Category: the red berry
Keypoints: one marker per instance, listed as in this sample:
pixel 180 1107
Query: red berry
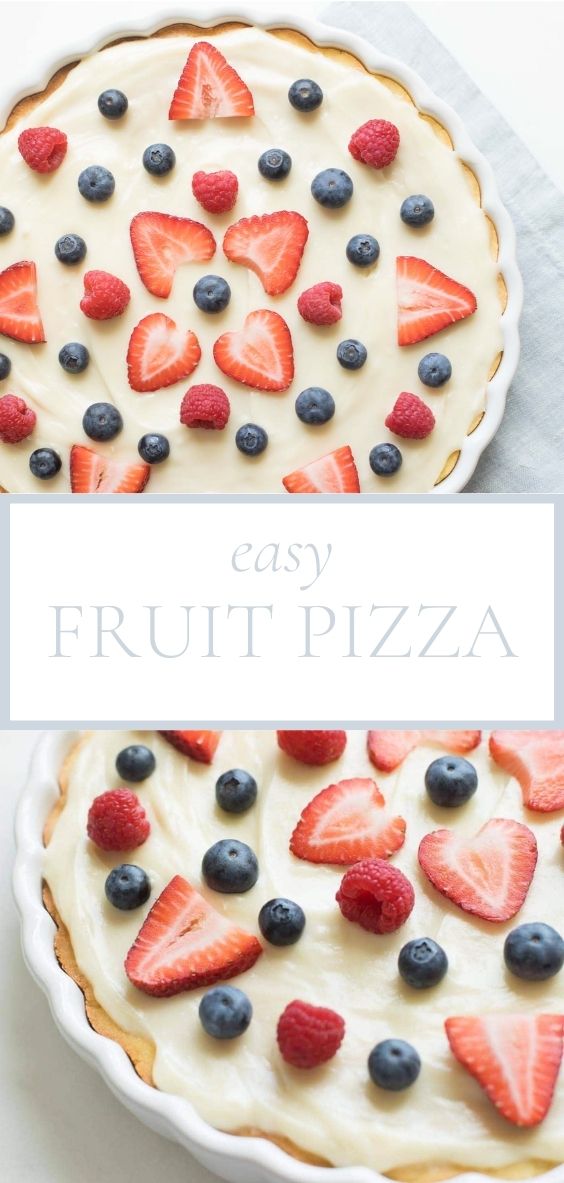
pixel 43 148
pixel 376 895
pixel 321 304
pixel 410 417
pixel 309 1035
pixel 117 821
pixel 205 406
pixel 17 420
pixel 216 192
pixel 105 296
pixel 375 143
pixel 313 747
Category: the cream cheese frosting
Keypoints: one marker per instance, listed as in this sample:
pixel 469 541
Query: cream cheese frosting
pixel 333 1111
pixel 46 207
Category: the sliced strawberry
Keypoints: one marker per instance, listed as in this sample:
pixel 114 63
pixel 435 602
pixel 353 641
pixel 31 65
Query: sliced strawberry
pixel 345 823
pixel 199 745
pixel 271 245
pixel 334 473
pixel 209 88
pixel 515 1058
pixel 261 355
pixel 162 242
pixel 159 354
pixel 489 874
pixel 19 314
pixel 428 300
pixel 536 759
pixel 184 943
pixel 92 473
pixel 388 749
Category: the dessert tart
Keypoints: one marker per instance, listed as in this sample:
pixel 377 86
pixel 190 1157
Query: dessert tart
pixel 231 261
pixel 345 944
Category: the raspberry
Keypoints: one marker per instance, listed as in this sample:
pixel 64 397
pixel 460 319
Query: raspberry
pixel 216 192
pixel 205 406
pixel 43 148
pixel 313 747
pixel 321 304
pixel 375 895
pixel 410 417
pixel 309 1035
pixel 17 420
pixel 375 143
pixel 105 296
pixel 117 821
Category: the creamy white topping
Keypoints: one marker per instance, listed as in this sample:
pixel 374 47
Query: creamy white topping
pixel 333 1111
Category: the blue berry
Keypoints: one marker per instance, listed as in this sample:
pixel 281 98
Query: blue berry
pixel 96 183
pixel 74 357
pixel 159 159
pixel 351 354
pixel 281 922
pixel 315 406
pixel 332 188
pixel 7 220
pixel 112 104
pixel 434 369
pixel 235 791
pixel 422 963
pixel 5 366
pixel 153 448
pixel 71 248
pixel 534 952
pixel 363 250
pixel 417 210
pixel 385 459
pixel 135 763
pixel 225 1012
pixel 305 95
pixel 394 1064
pixel 451 781
pixel 102 421
pixel 251 439
pixel 127 887
pixel 45 463
pixel 275 164
pixel 212 293
pixel 230 866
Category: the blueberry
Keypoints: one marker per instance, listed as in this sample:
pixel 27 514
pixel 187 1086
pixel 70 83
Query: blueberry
pixel 394 1064
pixel 212 293
pixel 315 406
pixel 7 220
pixel 434 369
pixel 5 366
pixel 385 459
pixel 332 188
pixel 451 781
pixel 45 463
pixel 251 439
pixel 363 250
pixel 102 421
pixel 71 248
pixel 230 866
pixel 135 763
pixel 422 963
pixel 127 887
pixel 235 791
pixel 281 922
pixel 225 1012
pixel 305 95
pixel 96 183
pixel 417 210
pixel 275 164
pixel 74 357
pixel 534 952
pixel 153 448
pixel 159 159
pixel 351 354
pixel 112 104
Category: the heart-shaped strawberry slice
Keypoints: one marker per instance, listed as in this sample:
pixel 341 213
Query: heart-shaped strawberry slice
pixel 159 353
pixel 261 355
pixel 489 874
